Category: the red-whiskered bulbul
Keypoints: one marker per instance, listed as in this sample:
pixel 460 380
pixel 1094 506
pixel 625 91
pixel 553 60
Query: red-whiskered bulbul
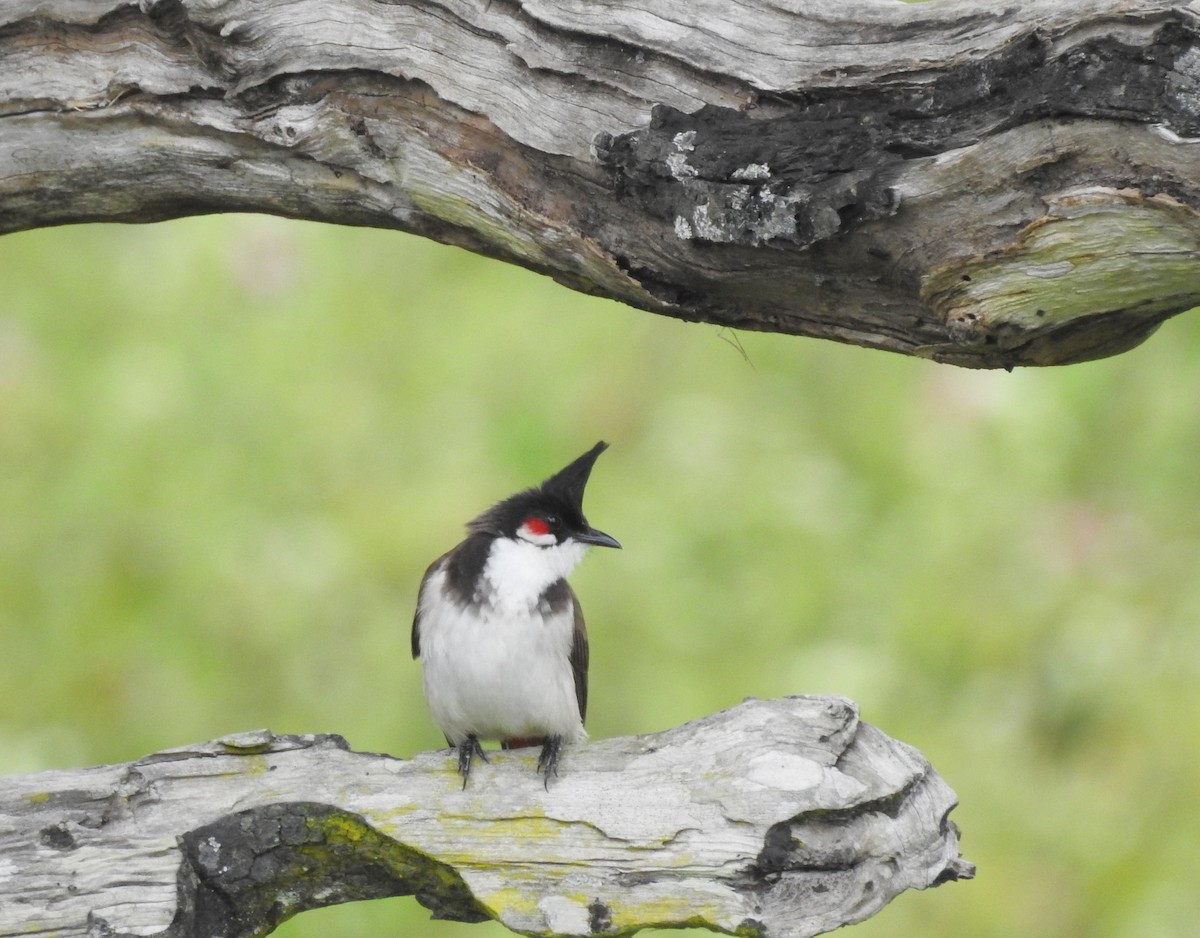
pixel 500 635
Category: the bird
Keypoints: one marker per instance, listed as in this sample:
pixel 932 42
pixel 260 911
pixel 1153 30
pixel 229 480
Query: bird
pixel 499 632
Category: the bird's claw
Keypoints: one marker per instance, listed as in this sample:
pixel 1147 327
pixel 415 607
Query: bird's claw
pixel 468 749
pixel 548 759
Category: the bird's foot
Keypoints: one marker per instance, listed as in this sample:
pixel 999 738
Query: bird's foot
pixel 468 749
pixel 548 760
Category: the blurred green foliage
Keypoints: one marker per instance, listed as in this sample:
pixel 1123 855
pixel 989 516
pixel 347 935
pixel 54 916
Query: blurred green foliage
pixel 229 447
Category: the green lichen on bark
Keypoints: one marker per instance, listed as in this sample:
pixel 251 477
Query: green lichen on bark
pixel 1062 290
pixel 246 873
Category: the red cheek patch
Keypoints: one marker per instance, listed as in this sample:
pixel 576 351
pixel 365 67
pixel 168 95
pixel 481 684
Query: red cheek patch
pixel 536 526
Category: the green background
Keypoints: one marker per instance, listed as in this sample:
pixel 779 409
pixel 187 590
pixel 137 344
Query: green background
pixel 230 446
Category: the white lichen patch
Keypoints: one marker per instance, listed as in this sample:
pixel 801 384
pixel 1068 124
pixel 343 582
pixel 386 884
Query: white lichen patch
pixel 682 144
pixel 740 198
pixel 209 853
pixel 705 227
pixel 752 171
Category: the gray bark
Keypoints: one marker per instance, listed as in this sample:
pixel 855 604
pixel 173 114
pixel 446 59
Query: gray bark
pixel 774 818
pixel 978 184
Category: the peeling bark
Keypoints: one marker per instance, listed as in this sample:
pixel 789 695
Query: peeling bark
pixel 981 185
pixel 780 818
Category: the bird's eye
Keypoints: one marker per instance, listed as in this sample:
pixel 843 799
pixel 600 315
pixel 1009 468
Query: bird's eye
pixel 537 526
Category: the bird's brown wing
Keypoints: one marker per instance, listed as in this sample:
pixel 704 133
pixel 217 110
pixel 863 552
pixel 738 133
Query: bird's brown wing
pixel 579 657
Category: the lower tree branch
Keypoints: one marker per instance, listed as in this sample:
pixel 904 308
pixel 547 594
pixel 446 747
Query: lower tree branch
pixel 774 818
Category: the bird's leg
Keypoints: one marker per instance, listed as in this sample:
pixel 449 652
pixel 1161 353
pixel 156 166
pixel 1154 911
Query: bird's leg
pixel 548 760
pixel 468 748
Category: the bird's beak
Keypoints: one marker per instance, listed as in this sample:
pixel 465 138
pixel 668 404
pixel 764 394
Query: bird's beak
pixel 597 538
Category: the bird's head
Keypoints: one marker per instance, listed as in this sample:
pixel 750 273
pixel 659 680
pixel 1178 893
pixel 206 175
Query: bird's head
pixel 551 514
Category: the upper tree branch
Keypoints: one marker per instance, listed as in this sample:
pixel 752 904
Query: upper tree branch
pixel 980 185
pixel 775 818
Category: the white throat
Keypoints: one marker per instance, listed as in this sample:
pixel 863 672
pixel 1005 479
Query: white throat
pixel 517 572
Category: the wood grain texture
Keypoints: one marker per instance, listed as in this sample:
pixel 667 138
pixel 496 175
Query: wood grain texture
pixel 774 818
pixel 813 167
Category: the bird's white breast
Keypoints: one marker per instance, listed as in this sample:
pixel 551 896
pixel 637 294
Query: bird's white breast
pixel 518 572
pixel 501 668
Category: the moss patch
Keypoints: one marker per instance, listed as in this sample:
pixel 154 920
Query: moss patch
pixel 246 873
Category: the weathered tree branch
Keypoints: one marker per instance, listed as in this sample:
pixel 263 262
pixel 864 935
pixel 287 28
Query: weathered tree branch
pixel 774 818
pixel 978 185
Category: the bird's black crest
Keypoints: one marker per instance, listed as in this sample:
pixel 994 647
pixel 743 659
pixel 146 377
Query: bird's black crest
pixel 570 481
pixel 562 493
